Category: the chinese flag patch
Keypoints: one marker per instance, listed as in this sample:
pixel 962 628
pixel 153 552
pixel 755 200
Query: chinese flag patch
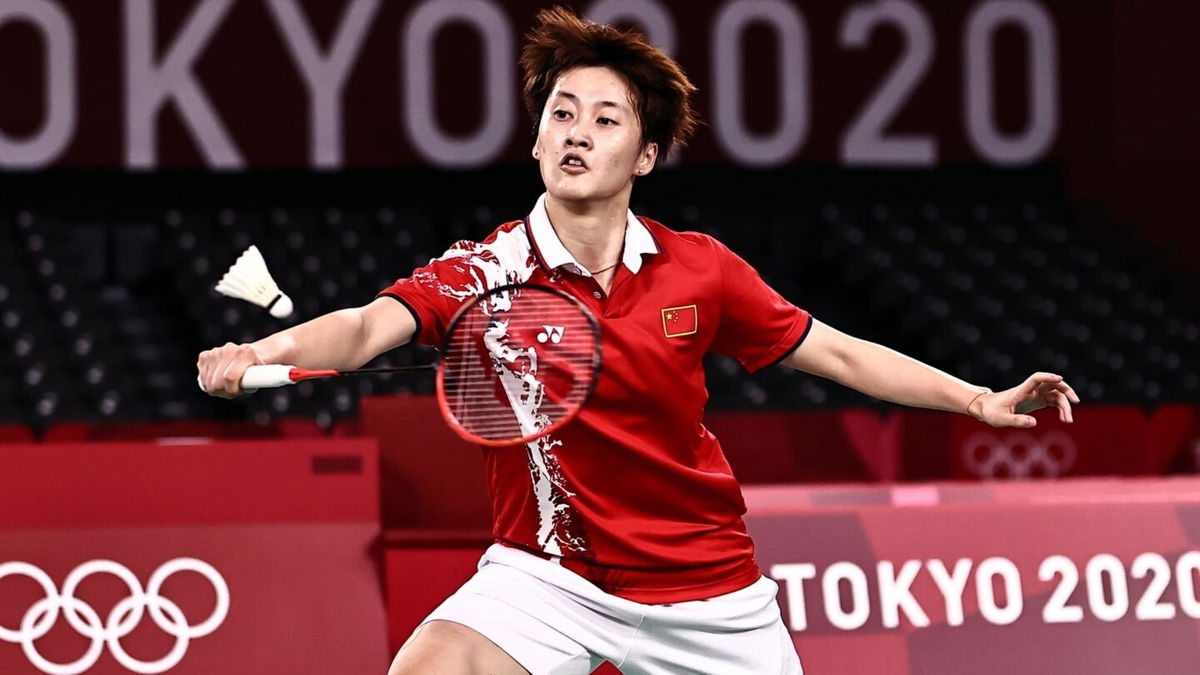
pixel 679 321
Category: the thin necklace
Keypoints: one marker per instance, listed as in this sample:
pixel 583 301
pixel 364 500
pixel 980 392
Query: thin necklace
pixel 620 257
pixel 601 271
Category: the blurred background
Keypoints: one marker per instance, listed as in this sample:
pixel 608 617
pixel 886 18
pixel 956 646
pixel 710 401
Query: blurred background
pixel 994 187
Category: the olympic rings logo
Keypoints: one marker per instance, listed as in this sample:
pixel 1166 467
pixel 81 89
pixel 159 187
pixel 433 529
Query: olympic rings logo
pixel 121 621
pixel 1019 454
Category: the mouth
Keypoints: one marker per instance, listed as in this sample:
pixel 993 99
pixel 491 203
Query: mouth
pixel 572 163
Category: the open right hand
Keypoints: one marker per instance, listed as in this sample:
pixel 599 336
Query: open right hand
pixel 221 369
pixel 1011 407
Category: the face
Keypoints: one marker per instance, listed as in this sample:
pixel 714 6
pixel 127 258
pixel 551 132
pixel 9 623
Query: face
pixel 589 143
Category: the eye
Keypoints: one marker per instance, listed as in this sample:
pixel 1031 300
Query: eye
pixel 607 121
pixel 561 114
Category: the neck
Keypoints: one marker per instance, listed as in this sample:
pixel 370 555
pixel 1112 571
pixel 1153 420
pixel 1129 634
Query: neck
pixel 593 232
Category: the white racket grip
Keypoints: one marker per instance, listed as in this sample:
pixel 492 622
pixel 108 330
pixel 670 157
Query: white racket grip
pixel 266 377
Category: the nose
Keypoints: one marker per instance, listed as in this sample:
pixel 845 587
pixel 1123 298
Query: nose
pixel 577 135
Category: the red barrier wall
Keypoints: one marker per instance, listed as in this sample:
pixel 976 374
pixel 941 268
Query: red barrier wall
pixel 1084 576
pixel 231 558
pixel 432 479
pixel 1089 576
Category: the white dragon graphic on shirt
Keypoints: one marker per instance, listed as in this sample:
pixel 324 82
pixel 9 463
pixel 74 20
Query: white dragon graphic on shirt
pixel 508 259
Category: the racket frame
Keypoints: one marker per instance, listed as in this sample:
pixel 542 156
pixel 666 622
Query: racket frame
pixel 473 305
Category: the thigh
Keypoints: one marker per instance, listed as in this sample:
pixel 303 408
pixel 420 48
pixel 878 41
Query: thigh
pixel 519 616
pixel 452 648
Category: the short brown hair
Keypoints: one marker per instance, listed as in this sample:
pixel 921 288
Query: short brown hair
pixel 561 41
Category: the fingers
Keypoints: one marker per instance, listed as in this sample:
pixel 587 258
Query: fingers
pixel 1057 382
pixel 1061 395
pixel 212 365
pixel 1037 380
pixel 1070 393
pixel 1050 398
pixel 1059 399
pixel 1053 390
pixel 221 369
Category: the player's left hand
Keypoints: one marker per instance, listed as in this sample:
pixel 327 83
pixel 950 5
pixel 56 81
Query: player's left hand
pixel 1010 408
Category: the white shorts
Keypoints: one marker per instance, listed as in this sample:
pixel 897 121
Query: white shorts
pixel 553 621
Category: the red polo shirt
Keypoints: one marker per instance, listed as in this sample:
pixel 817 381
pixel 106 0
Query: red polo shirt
pixel 634 494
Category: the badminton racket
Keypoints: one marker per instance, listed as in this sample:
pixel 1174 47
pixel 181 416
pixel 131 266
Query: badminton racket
pixel 517 363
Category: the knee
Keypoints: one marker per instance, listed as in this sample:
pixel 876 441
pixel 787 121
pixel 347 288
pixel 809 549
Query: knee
pixel 434 647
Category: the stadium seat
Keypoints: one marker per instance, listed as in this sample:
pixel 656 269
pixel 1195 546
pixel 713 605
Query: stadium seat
pixel 105 322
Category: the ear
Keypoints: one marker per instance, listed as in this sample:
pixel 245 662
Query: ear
pixel 647 159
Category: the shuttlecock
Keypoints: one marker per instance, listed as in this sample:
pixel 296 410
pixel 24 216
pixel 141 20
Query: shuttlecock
pixel 249 280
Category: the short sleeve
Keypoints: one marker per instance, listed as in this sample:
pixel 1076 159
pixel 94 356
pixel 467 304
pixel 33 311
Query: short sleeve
pixel 758 326
pixel 434 293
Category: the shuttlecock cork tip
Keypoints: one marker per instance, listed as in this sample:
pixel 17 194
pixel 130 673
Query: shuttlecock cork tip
pixel 281 307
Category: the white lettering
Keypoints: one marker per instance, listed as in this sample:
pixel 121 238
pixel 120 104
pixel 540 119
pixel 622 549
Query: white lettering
pixel 793 576
pixel 420 117
pixel 1099 567
pixel 728 107
pixel 1057 610
pixel 1185 583
pixel 1011 576
pixel 1151 607
pixel 325 76
pixel 982 23
pixel 860 606
pixel 150 84
pixel 58 126
pixel 952 586
pixel 895 593
pixel 865 142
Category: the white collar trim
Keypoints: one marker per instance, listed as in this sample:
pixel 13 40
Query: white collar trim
pixel 638 241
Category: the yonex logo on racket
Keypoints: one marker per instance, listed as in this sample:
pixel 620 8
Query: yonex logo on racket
pixel 552 333
pixel 124 617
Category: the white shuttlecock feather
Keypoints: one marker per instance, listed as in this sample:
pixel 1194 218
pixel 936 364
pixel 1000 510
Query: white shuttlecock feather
pixel 249 280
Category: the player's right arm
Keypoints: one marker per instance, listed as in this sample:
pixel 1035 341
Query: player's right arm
pixel 344 339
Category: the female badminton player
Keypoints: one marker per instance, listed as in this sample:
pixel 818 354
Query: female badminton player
pixel 618 537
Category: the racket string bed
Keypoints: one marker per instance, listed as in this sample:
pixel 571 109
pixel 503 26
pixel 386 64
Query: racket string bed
pixel 520 367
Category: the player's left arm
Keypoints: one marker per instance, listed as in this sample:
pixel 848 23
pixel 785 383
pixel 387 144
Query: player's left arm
pixel 889 375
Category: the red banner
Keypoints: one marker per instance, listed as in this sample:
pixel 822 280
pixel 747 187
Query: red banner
pixel 231 558
pixel 144 84
pixel 1074 577
pixel 1090 577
